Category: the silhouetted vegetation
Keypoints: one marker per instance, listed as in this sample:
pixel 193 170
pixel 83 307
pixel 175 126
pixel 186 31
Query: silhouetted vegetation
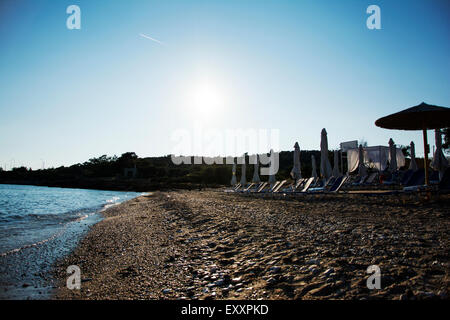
pixel 153 173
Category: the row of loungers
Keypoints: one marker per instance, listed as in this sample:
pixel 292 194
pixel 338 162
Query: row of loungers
pixel 409 180
pixel 301 186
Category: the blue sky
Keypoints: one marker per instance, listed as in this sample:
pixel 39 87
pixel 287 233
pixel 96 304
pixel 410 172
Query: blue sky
pixel 297 66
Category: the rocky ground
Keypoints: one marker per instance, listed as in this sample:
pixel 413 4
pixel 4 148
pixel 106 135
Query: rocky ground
pixel 203 245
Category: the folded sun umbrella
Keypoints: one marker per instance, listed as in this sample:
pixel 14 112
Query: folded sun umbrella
pixel 256 178
pixel 325 166
pixel 362 170
pixel 392 156
pixel 296 172
pixel 439 163
pixel 413 163
pixel 420 117
pixel 243 177
pixel 233 178
pixel 272 179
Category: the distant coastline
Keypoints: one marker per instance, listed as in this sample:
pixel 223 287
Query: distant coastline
pixel 112 184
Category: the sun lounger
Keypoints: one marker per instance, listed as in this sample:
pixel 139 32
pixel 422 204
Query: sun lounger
pixel 333 188
pixel 371 178
pixel 305 186
pixel 263 186
pixel 274 186
pixel 406 176
pixel 360 181
pixel 249 187
pixel 278 187
pixel 434 177
pixel 417 178
pixel 444 184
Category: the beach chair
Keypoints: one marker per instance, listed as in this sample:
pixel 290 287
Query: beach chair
pixel 316 182
pixel 263 186
pixel 338 184
pixel 306 185
pixel 274 186
pixel 295 185
pixel 249 187
pixel 236 188
pixel 406 176
pixel 434 177
pixel 299 183
pixel 444 184
pixel 371 178
pixel 332 188
pixel 278 187
pixel 360 181
pixel 417 178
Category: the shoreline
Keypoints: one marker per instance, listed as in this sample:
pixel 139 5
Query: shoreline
pixel 111 184
pixel 27 269
pixel 212 245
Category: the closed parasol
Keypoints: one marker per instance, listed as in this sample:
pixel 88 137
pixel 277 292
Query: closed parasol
pixel 296 172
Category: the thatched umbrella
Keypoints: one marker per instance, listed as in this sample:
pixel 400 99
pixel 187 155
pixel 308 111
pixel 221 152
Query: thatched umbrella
pixel 421 117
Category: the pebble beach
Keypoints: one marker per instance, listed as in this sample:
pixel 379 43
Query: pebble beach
pixel 216 245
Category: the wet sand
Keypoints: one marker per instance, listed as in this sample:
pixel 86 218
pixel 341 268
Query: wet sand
pixel 212 245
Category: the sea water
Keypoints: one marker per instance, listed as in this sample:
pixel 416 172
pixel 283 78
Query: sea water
pixel 38 226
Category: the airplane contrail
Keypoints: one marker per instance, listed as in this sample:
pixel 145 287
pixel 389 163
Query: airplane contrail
pixel 150 38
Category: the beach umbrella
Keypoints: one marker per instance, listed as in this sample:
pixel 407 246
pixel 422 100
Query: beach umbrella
pixel 243 177
pixel 362 170
pixel 272 179
pixel 256 178
pixel 439 163
pixel 393 156
pixel 336 171
pixel 325 166
pixel 314 170
pixel 233 177
pixel 413 163
pixel 420 117
pixel 296 172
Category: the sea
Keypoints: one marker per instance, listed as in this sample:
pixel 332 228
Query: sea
pixel 38 226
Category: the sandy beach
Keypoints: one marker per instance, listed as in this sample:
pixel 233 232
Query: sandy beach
pixel 213 245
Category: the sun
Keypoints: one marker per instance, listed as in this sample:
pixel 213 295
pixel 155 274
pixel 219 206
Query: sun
pixel 206 98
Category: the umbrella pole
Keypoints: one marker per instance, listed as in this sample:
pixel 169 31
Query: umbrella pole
pixel 425 148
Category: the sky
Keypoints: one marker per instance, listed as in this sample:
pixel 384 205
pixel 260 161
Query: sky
pixel 138 72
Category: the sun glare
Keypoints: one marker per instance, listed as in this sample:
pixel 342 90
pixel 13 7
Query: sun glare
pixel 207 98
